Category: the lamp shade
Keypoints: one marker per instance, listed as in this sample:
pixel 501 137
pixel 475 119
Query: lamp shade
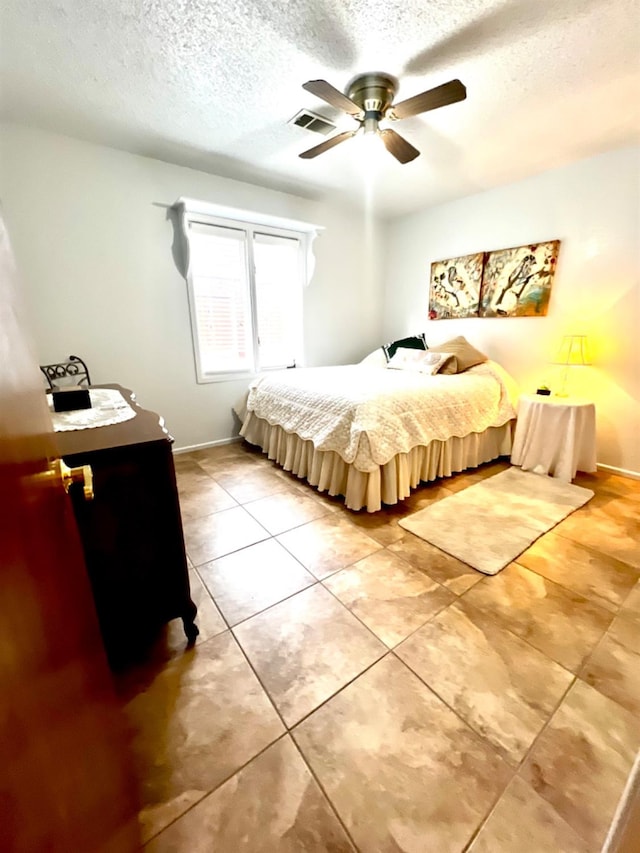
pixel 574 350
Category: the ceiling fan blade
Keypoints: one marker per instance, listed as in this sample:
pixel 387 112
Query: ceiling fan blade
pixel 399 147
pixel 441 96
pixel 328 93
pixel 327 144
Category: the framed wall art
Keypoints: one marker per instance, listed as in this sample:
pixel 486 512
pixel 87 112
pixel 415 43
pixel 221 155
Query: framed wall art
pixel 517 282
pixel 455 287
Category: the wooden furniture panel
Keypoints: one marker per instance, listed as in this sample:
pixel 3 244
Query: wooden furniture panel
pixel 131 531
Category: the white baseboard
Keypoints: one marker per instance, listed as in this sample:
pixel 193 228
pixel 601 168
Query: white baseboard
pixel 622 472
pixel 191 447
pixel 623 832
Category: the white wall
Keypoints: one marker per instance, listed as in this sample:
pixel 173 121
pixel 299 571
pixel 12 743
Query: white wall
pixel 593 207
pixel 94 252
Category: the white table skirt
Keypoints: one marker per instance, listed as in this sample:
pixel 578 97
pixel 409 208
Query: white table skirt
pixel 555 435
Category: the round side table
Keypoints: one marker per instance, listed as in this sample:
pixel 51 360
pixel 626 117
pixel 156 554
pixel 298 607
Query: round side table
pixel 555 436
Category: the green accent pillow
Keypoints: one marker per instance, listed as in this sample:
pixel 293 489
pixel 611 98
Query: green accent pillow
pixel 414 342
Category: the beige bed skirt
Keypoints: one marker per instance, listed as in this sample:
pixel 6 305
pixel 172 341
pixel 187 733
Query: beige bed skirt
pixel 390 483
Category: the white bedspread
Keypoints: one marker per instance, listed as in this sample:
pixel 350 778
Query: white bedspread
pixel 369 414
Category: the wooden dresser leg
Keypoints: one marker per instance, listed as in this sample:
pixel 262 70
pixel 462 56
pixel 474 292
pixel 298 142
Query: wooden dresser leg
pixel 188 621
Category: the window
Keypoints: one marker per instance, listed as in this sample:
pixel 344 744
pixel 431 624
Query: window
pixel 245 282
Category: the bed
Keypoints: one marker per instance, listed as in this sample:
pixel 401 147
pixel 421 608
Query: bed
pixel 371 434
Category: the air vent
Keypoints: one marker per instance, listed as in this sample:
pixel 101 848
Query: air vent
pixel 312 121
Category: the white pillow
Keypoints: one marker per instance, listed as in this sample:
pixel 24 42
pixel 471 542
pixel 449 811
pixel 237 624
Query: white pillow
pixel 423 361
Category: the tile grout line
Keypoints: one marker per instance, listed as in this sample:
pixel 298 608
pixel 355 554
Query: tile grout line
pixel 629 594
pixel 174 660
pixel 386 650
pixel 573 681
pixel 531 749
pixel 274 604
pixel 334 571
pixel 483 821
pixel 424 572
pixel 214 789
pixel 466 723
pixel 323 790
pixel 568 538
pixel 214 602
pixel 570 589
pixel 504 627
pixel 402 557
pixel 246 763
pixel 289 730
pixel 390 652
pixel 605 636
pixel 426 622
pixel 233 551
pixel 369 666
pixel 521 764
pixel 259 680
pixel 315 580
pixel 392 649
pixel 355 616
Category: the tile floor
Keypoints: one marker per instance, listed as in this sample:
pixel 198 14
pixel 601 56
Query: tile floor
pixel 353 687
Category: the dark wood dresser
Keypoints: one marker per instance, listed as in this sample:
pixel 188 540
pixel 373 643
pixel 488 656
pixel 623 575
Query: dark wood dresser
pixel 131 531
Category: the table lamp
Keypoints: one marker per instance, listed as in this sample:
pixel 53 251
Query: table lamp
pixel 573 352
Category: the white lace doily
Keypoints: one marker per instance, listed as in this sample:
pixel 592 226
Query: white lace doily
pixel 108 406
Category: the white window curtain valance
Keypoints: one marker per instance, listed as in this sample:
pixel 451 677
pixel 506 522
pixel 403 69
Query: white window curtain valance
pixel 192 211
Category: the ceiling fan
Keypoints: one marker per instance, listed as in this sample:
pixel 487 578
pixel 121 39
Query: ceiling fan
pixel 369 99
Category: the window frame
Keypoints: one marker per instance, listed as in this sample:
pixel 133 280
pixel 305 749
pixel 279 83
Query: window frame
pixel 251 224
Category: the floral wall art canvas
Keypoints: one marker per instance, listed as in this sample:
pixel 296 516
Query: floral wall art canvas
pixel 455 287
pixel 517 282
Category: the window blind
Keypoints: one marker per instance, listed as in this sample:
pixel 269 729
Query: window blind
pixel 245 295
pixel 277 282
pixel 221 298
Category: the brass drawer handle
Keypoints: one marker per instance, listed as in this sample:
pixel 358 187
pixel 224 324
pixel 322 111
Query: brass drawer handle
pixel 82 474
pixel 59 472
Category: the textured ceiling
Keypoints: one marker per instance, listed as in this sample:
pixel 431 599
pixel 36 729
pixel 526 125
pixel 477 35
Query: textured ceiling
pixel 211 84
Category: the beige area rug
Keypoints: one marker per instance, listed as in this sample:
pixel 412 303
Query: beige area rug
pixel 491 523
